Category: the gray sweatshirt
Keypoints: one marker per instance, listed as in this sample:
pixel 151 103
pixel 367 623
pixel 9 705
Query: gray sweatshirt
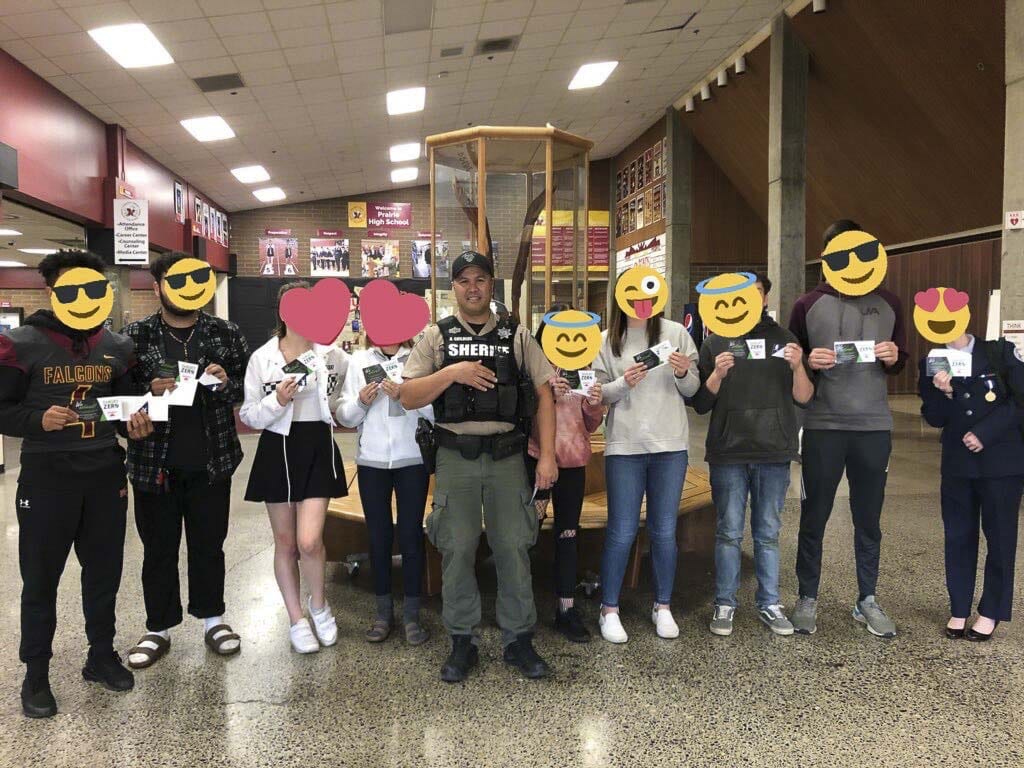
pixel 650 417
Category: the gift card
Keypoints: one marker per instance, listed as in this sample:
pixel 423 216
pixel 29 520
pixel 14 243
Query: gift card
pixel 374 373
pixel 756 347
pixel 779 350
pixel 168 369
pixel 854 352
pixel 187 371
pixel 952 361
pixel 183 395
pixel 299 371
pixel 393 368
pixel 738 349
pixel 88 410
pixel 573 377
pixel 937 362
pixel 656 355
pixel 308 359
pixel 587 380
pixel 112 407
pixel 209 380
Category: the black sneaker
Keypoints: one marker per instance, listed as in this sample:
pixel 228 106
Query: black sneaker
pixel 520 654
pixel 463 658
pixel 108 671
pixel 37 699
pixel 571 626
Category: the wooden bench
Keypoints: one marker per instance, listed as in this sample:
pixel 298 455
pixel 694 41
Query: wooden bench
pixel 345 529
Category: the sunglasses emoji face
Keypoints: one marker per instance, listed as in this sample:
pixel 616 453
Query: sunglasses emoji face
pixel 730 304
pixel 571 338
pixel 82 298
pixel 941 315
pixel 641 292
pixel 854 263
pixel 189 284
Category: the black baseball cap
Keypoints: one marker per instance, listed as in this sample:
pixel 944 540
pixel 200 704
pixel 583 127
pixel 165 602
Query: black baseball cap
pixel 472 259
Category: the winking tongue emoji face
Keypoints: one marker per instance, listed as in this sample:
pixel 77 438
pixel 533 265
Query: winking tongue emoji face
pixel 641 292
pixel 941 315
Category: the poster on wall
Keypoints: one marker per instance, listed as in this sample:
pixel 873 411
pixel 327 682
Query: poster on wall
pixel 179 202
pixel 597 241
pixel 329 257
pixel 649 253
pixel 648 167
pixel 357 215
pixel 131 231
pixel 422 257
pixel 389 215
pixel 379 258
pixel 224 230
pixel 657 161
pixel 277 256
pixel 652 214
pixel 206 219
pixel 197 217
pixel 656 202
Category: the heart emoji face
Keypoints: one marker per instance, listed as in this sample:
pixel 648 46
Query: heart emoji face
pixel 389 315
pixel 318 313
pixel 941 315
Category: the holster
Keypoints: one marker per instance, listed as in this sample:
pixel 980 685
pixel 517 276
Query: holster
pixel 426 439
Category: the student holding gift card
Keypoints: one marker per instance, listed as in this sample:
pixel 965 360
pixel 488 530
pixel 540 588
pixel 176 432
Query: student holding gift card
pixel 181 474
pixel 389 464
pixel 752 373
pixel 71 489
pixel 647 438
pixel 980 413
pixel 290 387
pixel 571 339
pixel 853 334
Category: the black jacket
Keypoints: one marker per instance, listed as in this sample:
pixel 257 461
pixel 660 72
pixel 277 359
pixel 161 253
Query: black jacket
pixel 753 417
pixel 996 423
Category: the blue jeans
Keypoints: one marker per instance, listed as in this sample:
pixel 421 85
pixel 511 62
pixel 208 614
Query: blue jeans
pixel 766 485
pixel 661 477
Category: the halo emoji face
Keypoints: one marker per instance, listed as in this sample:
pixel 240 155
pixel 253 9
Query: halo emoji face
pixel 941 315
pixel 730 304
pixel 571 338
pixel 82 298
pixel 641 292
pixel 854 263
pixel 189 284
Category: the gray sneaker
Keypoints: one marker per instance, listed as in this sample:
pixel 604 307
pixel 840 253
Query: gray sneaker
pixel 805 616
pixel 773 618
pixel 870 613
pixel 721 622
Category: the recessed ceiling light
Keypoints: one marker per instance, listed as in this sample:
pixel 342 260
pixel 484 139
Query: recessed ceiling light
pixel 9 232
pixel 403 153
pixel 131 45
pixel 208 128
pixel 269 194
pixel 38 251
pixel 592 75
pixel 406 100
pixel 250 174
pixel 400 175
pixel 12 264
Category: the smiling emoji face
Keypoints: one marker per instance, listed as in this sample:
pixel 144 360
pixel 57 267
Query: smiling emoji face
pixel 941 315
pixel 854 263
pixel 641 292
pixel 82 298
pixel 730 304
pixel 571 338
pixel 189 284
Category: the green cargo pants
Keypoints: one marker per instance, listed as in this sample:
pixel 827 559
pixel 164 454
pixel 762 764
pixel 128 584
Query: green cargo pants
pixel 461 488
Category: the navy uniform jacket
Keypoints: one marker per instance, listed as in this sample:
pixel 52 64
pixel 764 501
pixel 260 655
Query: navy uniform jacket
pixel 997 423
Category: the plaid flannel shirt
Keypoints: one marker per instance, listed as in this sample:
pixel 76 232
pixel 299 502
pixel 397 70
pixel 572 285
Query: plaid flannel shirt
pixel 221 343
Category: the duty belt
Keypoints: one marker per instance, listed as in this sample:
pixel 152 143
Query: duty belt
pixel 499 446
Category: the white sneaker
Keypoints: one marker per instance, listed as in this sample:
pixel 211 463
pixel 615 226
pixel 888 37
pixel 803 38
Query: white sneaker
pixel 611 628
pixel 302 637
pixel 323 623
pixel 664 624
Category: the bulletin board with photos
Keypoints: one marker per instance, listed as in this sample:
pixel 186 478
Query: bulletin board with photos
pixel 640 190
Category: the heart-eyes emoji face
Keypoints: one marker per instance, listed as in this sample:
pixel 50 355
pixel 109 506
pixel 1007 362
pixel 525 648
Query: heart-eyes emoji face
pixel 189 284
pixel 854 263
pixel 82 298
pixel 571 339
pixel 941 315
pixel 641 292
pixel 730 304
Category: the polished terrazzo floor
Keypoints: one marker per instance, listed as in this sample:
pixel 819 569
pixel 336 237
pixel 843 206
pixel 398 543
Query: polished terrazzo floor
pixel 839 698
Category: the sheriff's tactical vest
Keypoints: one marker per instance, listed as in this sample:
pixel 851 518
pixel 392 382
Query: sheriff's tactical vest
pixel 495 350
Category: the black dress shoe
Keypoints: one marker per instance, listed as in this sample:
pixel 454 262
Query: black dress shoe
pixel 571 626
pixel 521 655
pixel 37 699
pixel 979 637
pixel 955 634
pixel 107 670
pixel 464 657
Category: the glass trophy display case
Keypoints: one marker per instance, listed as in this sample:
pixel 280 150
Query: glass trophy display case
pixel 519 196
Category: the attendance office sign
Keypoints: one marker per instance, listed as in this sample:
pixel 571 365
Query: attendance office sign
pixel 389 215
pixel 131 231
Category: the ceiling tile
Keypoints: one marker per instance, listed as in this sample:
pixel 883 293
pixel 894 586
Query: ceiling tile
pixel 41 23
pixel 354 10
pixel 241 24
pixel 225 7
pixel 265 41
pixel 297 18
pixel 161 10
pixel 92 16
